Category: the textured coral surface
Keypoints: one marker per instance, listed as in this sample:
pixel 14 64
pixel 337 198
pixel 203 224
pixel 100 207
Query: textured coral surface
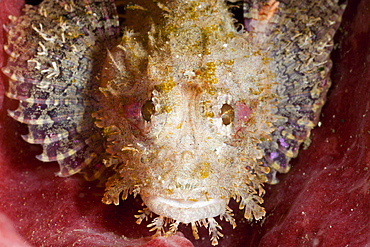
pixel 323 201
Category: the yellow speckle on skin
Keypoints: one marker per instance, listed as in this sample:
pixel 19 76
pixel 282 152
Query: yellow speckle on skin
pixel 166 86
pixel 211 91
pixel 230 62
pixel 209 114
pixel 289 154
pixel 167 109
pixel 210 73
pixel 204 172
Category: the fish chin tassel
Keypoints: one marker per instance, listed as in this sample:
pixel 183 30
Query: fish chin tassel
pixel 160 223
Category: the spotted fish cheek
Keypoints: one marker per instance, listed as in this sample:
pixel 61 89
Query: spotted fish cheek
pixel 124 115
pixel 125 88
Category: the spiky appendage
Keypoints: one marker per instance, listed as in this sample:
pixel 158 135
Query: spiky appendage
pixel 54 52
pixel 300 38
pixel 160 223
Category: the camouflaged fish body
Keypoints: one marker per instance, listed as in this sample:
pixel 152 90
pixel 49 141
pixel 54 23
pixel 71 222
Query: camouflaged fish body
pixel 191 111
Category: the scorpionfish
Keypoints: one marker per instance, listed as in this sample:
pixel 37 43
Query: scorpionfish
pixel 176 101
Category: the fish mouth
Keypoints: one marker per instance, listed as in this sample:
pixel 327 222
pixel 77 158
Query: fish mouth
pixel 185 211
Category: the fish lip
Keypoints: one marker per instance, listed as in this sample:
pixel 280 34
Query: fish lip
pixel 185 211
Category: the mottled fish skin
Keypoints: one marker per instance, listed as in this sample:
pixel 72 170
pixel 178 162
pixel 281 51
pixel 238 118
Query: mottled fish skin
pixel 55 52
pixel 187 110
pixel 299 38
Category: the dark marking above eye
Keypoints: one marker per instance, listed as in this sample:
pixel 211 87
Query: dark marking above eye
pixel 227 114
pixel 148 110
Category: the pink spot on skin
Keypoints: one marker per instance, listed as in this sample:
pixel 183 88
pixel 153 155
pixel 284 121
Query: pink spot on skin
pixel 243 115
pixel 243 112
pixel 132 110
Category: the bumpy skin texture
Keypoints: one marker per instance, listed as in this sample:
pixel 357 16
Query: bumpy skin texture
pixel 206 103
pixel 160 92
pixel 54 56
pixel 299 41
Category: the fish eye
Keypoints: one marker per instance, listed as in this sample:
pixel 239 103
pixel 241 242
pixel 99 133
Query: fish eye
pixel 147 110
pixel 227 114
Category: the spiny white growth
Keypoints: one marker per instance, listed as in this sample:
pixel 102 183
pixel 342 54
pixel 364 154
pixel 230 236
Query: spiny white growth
pixel 159 224
pixel 145 213
pixel 228 216
pixel 213 227
pixel 44 51
pixel 43 34
pixel 53 70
